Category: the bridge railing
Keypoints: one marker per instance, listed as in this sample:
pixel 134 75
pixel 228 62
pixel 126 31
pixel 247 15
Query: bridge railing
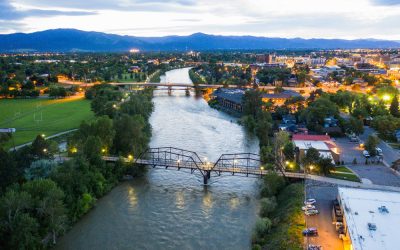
pixel 244 163
pixel 173 157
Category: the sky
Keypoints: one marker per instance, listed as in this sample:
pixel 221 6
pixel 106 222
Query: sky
pixel 349 19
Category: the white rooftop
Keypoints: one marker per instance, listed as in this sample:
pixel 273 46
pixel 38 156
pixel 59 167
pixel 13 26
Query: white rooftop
pixel 361 206
pixel 318 145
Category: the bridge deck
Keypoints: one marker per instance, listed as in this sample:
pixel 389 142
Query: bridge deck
pixel 219 168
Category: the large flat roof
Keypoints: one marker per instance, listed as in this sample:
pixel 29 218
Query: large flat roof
pixel 306 144
pixel 361 206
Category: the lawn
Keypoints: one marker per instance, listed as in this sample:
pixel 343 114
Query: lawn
pixel 42 116
pixel 344 173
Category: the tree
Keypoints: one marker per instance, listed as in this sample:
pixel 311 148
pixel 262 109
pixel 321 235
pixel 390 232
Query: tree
pixel 8 170
pixel 325 165
pixel 371 144
pixel 130 137
pixel 288 151
pixel 40 147
pixel 252 103
pixel 39 169
pixel 18 229
pixel 267 205
pixel 48 201
pixel 317 111
pixel 273 184
pixel 311 157
pixel 386 126
pixel 394 107
pixel 356 125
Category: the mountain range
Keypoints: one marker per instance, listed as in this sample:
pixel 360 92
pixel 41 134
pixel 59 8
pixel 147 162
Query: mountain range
pixel 72 40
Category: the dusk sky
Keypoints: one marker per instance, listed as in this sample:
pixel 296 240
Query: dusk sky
pixel 283 18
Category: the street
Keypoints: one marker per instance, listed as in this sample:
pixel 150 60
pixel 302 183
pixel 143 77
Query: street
pixel 389 154
pixel 324 193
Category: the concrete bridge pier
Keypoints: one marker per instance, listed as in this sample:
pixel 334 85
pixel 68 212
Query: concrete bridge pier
pixel 206 176
pixel 169 90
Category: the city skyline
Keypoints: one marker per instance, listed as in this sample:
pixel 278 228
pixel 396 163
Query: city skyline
pixel 286 18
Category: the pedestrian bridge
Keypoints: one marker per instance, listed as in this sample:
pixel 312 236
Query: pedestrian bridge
pixel 243 164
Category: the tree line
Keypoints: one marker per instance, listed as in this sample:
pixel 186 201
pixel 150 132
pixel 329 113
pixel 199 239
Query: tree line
pixel 40 198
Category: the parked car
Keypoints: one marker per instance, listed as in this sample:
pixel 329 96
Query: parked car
pixel 310 202
pixel 366 154
pixel 307 207
pixel 353 138
pixel 311 212
pixel 312 231
pixel 379 151
pixel 314 247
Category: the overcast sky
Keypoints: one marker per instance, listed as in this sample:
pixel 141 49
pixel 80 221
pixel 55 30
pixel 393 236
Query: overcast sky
pixel 273 18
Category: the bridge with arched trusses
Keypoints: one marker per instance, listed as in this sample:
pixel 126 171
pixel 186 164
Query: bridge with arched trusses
pixel 243 164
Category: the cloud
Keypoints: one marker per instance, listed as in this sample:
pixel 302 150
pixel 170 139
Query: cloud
pixel 10 12
pixel 386 2
pixel 120 5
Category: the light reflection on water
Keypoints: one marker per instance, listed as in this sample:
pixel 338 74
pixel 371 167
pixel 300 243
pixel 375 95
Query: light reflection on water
pixel 170 209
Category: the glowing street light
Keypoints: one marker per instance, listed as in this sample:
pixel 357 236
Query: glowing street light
pixel 45 150
pixel 130 157
pixel 74 150
pixel 43 135
pixel 386 97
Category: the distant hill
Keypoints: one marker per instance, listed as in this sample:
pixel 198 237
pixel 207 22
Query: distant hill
pixel 68 40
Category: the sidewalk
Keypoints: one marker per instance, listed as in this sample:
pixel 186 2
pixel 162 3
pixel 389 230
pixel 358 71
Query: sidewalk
pixel 352 184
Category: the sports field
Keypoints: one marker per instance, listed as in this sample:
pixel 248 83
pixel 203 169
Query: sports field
pixel 42 116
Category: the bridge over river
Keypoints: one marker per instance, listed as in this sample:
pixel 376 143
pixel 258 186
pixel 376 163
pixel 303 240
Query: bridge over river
pixel 243 164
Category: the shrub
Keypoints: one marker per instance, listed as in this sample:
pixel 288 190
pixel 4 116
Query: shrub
pixel 268 205
pixel 263 226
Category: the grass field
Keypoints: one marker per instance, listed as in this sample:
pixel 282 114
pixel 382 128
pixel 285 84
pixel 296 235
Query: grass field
pixel 344 173
pixel 42 116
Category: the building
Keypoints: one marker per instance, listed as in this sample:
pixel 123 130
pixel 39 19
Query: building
pixel 230 99
pixel 278 99
pixel 326 70
pixel 371 218
pixel 323 143
pixel 264 58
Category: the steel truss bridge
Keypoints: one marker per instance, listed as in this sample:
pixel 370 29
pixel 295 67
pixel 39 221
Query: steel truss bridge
pixel 243 164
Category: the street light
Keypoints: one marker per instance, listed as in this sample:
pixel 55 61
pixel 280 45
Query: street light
pixel 44 150
pixel 130 157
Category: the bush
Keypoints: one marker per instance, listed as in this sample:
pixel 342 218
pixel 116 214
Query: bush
pixel 273 183
pixel 268 205
pixel 263 226
pixel 39 169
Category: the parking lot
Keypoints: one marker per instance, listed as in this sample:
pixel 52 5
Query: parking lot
pixel 349 151
pixel 327 237
pixel 377 174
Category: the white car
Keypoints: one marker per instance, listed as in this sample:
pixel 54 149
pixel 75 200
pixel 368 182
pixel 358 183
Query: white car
pixel 366 154
pixel 307 207
pixel 311 212
pixel 310 202
pixel 379 151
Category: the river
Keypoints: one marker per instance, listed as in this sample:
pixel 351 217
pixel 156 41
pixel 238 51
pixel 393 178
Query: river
pixel 170 209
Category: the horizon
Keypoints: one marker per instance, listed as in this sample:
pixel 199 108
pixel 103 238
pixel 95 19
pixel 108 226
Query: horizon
pixel 207 34
pixel 358 19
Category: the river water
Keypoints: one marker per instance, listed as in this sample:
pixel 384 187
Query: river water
pixel 170 209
